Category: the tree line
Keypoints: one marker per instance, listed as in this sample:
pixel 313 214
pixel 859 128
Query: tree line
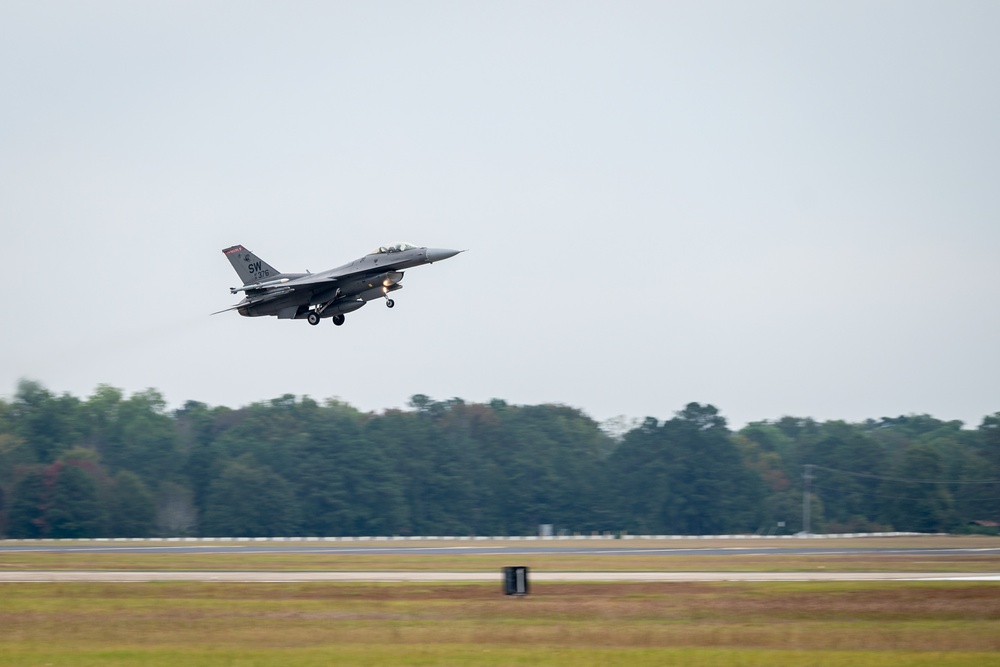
pixel 113 465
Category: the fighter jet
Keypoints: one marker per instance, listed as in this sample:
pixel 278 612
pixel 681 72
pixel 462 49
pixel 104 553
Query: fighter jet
pixel 333 293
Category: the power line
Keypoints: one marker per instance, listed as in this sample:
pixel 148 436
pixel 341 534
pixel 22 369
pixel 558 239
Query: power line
pixel 882 495
pixel 908 481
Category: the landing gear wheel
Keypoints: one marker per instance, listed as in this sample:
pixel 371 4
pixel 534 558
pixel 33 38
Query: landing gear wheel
pixel 313 319
pixel 389 303
pixel 338 319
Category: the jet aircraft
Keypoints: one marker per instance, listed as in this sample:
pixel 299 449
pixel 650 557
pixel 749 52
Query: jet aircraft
pixel 332 293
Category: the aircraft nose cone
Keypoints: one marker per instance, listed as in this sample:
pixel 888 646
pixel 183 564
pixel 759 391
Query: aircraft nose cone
pixel 437 254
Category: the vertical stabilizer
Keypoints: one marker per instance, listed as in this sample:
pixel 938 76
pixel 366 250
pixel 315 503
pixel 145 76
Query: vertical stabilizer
pixel 252 269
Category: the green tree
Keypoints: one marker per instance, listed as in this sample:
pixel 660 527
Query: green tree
pixel 62 499
pixel 76 509
pixel 454 467
pixel 987 445
pixel 715 492
pixel 250 501
pixel 345 484
pixel 920 503
pixel 29 504
pixel 686 476
pixel 102 413
pixel 147 438
pixel 48 424
pixel 762 448
pixel 410 462
pixel 199 428
pixel 176 513
pixel 638 485
pixel 132 507
pixel 990 431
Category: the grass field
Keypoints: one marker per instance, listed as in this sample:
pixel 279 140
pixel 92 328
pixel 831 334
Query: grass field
pixel 559 624
pixel 866 624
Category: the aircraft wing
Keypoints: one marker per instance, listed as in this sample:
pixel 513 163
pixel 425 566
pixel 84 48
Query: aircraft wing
pixel 313 279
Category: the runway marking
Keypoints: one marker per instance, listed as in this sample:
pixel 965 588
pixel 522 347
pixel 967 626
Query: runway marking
pixel 971 577
pixel 120 549
pixel 427 577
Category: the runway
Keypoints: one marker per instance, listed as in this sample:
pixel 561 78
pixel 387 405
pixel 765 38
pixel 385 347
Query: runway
pixel 512 551
pixel 581 549
pixel 442 577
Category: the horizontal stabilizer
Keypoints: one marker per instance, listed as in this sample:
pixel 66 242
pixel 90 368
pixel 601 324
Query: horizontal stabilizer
pixel 253 301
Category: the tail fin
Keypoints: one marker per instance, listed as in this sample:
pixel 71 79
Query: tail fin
pixel 252 269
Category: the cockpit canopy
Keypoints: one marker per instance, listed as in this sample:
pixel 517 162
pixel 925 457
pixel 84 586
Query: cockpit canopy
pixel 395 247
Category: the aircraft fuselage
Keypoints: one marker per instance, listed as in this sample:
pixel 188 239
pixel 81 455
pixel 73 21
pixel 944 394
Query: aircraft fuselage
pixel 330 293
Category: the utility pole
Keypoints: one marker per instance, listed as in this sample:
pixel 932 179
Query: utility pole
pixel 807 480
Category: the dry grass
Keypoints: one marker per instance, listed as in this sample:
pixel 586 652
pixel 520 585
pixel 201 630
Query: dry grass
pixel 872 624
pixel 860 617
pixel 360 655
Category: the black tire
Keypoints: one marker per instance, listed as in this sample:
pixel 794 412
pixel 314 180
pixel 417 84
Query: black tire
pixel 313 319
pixel 390 303
pixel 338 319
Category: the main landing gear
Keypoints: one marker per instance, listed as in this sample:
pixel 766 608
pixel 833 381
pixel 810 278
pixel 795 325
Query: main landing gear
pixel 313 318
pixel 316 314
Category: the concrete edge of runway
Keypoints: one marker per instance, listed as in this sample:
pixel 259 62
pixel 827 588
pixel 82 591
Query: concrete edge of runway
pixel 66 576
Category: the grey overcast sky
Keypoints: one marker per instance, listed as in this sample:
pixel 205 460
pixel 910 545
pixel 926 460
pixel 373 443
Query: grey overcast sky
pixel 777 207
